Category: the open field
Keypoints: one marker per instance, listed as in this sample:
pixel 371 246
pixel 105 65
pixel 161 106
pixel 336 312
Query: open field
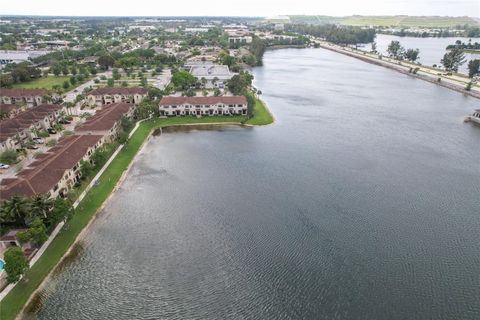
pixel 13 303
pixel 47 83
pixel 43 82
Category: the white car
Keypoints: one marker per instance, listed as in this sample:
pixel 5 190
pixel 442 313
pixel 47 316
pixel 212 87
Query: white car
pixel 4 166
pixel 38 140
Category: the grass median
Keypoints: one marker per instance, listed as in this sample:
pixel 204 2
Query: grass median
pixel 13 303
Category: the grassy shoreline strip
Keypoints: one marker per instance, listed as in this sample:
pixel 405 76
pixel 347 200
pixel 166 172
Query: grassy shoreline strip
pixel 14 302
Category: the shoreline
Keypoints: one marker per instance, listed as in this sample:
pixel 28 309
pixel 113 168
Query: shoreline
pixel 150 126
pixel 404 69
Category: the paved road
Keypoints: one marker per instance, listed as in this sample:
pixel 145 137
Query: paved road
pixel 71 95
pixel 163 79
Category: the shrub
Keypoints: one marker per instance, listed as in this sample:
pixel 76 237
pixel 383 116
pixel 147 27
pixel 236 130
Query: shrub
pixel 67 133
pixel 8 156
pixel 43 134
pixel 15 264
pixel 51 143
pixel 96 81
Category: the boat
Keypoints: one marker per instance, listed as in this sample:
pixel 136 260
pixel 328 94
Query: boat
pixel 475 117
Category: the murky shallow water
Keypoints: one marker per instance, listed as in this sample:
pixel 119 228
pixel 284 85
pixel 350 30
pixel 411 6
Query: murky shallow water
pixel 361 202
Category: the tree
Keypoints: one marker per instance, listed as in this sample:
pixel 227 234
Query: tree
pixel 66 84
pixel 8 156
pixel 412 54
pixel 473 67
pixel 183 80
pixel 16 211
pixel 41 206
pixel 37 232
pixel 395 50
pixel 374 47
pixel 106 61
pixel 239 83
pixel 110 82
pixel 15 264
pixel 62 209
pixel 453 59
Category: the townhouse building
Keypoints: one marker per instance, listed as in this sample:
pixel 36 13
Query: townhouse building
pixel 28 97
pixel 106 122
pixel 203 106
pixel 55 172
pixel 15 131
pixel 102 96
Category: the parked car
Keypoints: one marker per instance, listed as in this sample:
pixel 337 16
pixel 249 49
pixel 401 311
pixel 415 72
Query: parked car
pixel 51 131
pixel 38 140
pixel 64 121
pixel 4 166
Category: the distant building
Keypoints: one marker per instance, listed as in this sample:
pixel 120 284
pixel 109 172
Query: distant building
pixel 196 30
pixel 215 75
pixel 241 40
pixel 12 56
pixel 102 96
pixel 203 106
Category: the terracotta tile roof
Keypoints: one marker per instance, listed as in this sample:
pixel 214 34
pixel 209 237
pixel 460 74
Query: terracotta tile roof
pixel 10 127
pixel 203 100
pixel 122 91
pixel 20 93
pixel 45 172
pixel 11 235
pixel 7 108
pixel 105 118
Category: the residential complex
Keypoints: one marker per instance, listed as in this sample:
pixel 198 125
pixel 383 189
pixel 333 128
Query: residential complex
pixel 26 125
pixel 203 106
pixel 29 97
pixel 55 172
pixel 106 121
pixel 102 96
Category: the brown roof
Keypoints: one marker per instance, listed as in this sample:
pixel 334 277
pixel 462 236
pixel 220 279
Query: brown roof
pixel 46 171
pixel 105 118
pixel 124 91
pixel 203 100
pixel 11 235
pixel 20 93
pixel 22 121
pixel 7 108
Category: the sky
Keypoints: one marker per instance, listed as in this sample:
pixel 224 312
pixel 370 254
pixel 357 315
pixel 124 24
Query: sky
pixel 240 8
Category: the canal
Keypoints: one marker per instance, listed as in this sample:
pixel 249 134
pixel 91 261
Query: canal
pixel 360 202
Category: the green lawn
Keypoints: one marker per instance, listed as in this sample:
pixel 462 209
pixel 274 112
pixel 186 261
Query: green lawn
pixel 42 83
pixel 47 83
pixel 261 115
pixel 12 304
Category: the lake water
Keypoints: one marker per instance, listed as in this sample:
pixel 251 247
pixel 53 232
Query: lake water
pixel 360 202
pixel 431 49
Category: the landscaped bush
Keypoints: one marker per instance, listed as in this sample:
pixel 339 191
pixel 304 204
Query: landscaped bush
pixel 8 156
pixel 67 133
pixel 43 134
pixel 51 143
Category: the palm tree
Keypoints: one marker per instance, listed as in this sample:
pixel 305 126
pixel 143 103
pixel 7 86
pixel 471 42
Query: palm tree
pixel 41 206
pixel 16 210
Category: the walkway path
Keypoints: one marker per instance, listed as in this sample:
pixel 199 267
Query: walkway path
pixel 455 82
pixel 75 204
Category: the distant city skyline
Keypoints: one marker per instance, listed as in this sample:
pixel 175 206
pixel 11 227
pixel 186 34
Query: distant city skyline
pixel 469 8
